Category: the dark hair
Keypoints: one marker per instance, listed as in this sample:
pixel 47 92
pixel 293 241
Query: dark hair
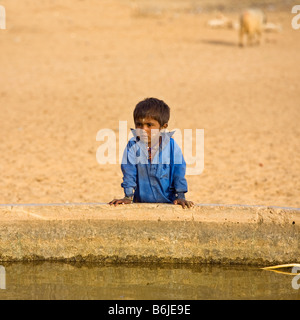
pixel 154 108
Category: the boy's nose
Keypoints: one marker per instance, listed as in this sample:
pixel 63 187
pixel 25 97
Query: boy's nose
pixel 141 131
pixel 145 127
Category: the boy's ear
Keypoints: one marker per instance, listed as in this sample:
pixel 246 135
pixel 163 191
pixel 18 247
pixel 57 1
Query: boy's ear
pixel 165 126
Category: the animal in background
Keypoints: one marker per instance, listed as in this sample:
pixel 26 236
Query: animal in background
pixel 251 25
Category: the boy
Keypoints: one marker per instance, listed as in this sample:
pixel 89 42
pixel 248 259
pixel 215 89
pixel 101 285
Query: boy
pixel 153 165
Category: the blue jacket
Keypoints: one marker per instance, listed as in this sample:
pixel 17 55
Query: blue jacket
pixel 162 180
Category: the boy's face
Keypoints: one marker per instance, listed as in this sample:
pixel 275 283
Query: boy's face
pixel 149 129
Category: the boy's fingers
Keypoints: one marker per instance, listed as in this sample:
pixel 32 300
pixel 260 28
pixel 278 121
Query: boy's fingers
pixel 184 203
pixel 190 204
pixel 180 202
pixel 115 202
pixel 118 202
pixel 112 202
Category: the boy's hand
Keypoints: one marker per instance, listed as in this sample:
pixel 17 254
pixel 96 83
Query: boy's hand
pixel 120 201
pixel 184 203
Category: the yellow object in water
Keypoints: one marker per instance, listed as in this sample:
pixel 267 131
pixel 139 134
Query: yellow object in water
pixel 280 266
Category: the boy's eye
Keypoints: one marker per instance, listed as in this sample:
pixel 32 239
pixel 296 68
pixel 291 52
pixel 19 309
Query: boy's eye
pixel 139 124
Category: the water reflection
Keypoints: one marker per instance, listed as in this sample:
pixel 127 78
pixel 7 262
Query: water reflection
pixel 53 280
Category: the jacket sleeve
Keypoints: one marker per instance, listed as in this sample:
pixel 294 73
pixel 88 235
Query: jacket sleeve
pixel 129 170
pixel 179 169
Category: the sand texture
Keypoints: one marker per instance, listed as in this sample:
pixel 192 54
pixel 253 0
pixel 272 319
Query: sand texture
pixel 70 68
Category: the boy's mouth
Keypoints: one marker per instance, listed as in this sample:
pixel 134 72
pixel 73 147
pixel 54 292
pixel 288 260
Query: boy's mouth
pixel 142 134
pixel 144 138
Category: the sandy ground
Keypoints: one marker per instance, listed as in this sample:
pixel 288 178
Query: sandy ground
pixel 70 68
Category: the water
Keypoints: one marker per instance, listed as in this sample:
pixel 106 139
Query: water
pixel 49 280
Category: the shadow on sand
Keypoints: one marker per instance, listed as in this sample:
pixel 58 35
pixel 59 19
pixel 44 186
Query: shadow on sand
pixel 221 43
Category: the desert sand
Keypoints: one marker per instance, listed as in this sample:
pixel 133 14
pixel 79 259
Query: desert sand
pixel 72 67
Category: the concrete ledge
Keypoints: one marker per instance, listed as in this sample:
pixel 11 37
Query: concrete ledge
pixel 150 233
